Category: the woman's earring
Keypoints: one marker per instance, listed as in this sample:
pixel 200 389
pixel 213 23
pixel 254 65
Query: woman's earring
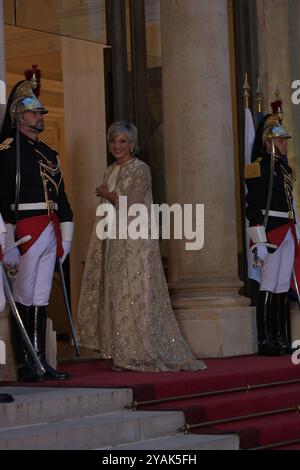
pixel 131 150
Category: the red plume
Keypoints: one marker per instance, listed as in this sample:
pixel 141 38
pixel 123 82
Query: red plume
pixel 277 109
pixel 276 106
pixel 29 74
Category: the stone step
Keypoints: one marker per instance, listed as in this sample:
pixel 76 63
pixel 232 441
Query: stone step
pixel 183 442
pixel 92 432
pixel 34 405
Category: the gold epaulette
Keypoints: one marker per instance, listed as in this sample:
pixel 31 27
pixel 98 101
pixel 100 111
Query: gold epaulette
pixel 6 143
pixel 253 170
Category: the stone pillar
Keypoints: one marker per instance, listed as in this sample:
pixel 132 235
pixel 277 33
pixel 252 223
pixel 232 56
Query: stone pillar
pixel 85 143
pixel 204 284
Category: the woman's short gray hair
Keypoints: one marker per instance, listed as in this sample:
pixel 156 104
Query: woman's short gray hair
pixel 125 127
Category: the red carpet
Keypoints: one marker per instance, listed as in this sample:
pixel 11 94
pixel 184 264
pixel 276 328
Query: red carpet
pixel 221 374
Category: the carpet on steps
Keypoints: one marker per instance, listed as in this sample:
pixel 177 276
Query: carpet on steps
pixel 221 374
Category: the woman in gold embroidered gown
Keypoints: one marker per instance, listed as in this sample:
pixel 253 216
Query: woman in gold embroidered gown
pixel 124 307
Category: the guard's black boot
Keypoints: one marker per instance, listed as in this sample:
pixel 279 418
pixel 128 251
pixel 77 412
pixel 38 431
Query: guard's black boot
pixel 263 318
pixel 38 321
pixel 279 335
pixel 25 368
pixel 6 398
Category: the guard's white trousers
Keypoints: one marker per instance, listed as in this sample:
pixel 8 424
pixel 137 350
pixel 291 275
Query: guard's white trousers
pixel 277 271
pixel 33 283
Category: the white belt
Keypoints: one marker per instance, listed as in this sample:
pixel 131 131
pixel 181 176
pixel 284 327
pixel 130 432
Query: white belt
pixel 36 206
pixel 283 215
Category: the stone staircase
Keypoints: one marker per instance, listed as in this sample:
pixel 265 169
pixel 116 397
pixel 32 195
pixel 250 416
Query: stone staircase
pixel 65 418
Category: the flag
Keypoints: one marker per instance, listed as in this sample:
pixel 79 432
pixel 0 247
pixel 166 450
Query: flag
pixel 296 276
pixel 259 116
pixel 253 273
pixel 249 135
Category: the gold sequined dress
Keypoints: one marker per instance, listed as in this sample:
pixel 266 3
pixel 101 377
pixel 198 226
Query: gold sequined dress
pixel 124 308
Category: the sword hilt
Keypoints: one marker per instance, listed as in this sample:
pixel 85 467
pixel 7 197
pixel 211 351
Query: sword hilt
pixel 19 242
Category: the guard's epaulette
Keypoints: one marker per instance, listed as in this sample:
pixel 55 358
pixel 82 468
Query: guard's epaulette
pixel 253 170
pixel 6 143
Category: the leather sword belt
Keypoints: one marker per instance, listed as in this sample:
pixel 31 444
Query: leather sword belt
pixel 282 215
pixel 36 206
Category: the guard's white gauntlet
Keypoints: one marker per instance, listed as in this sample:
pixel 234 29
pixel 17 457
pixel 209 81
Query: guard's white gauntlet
pixel 259 249
pixel 11 258
pixel 67 229
pixel 2 233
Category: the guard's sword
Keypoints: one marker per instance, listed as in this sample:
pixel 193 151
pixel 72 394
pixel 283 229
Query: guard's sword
pixel 10 300
pixel 22 240
pixel 67 305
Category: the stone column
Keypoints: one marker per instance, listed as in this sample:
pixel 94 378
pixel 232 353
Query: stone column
pixel 204 284
pixel 85 143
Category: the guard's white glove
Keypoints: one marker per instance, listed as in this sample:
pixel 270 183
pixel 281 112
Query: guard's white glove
pixel 2 241
pixel 11 260
pixel 11 255
pixel 2 296
pixel 260 255
pixel 2 233
pixel 67 229
pixel 67 248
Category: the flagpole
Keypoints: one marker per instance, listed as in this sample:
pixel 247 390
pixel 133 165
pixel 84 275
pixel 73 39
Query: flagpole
pixel 259 97
pixel 246 88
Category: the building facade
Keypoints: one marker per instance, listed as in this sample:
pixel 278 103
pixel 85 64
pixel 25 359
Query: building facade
pixel 176 68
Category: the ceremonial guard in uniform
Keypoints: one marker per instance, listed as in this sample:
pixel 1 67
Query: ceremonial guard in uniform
pixel 272 230
pixel 33 202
